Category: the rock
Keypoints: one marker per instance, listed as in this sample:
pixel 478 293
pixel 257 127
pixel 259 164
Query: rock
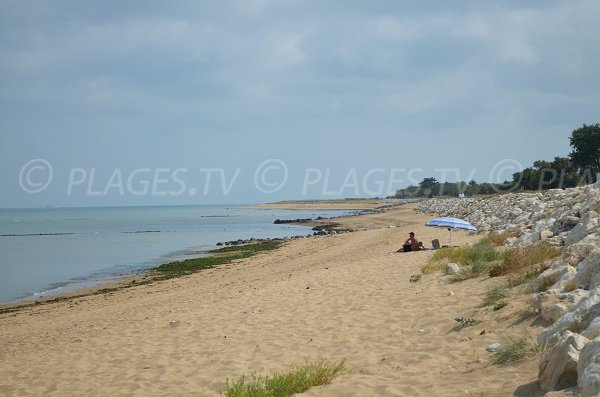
pixel 546 234
pixel 558 367
pixel 553 312
pixel 585 227
pixel 551 276
pixel 588 369
pixel 452 268
pixel 578 316
pixel 579 251
pixel 588 271
pixel 493 347
pixel 565 224
pixel 593 330
pixel 570 392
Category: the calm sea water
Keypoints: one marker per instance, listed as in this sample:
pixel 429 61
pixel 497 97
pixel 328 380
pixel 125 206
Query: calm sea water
pixel 49 251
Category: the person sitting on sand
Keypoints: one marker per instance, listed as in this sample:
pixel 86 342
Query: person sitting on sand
pixel 415 245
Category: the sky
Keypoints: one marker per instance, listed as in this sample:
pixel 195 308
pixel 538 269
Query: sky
pixel 201 102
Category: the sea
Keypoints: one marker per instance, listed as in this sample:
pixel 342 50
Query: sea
pixel 52 251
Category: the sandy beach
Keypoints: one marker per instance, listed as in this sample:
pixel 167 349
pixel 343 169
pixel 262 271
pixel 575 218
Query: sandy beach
pixel 332 297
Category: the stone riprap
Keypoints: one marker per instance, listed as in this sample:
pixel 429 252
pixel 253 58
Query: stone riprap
pixel 569 220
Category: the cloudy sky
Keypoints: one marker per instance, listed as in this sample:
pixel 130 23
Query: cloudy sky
pixel 198 102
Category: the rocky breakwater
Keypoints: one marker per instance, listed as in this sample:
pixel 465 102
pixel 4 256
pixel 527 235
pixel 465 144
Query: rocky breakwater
pixel 569 220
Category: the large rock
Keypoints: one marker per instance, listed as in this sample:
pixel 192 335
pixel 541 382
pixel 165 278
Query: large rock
pixel 551 276
pixel 558 367
pixel 578 317
pixel 588 369
pixel 574 254
pixel 565 224
pixel 593 330
pixel 452 268
pixel 588 271
pixel 586 226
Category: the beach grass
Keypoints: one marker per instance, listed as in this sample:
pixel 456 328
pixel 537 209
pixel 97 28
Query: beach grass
pixel 282 384
pixel 467 256
pixel 515 349
pixel 523 260
pixel 496 297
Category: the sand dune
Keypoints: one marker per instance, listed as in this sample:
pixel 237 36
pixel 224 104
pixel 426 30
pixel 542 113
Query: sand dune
pixel 337 297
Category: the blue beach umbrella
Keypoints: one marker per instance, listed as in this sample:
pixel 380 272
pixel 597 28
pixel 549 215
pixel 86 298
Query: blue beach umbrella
pixel 451 224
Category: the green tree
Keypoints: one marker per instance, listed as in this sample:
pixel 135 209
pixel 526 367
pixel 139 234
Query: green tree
pixel 585 142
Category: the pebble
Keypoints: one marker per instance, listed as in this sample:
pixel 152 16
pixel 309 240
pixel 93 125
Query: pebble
pixel 493 347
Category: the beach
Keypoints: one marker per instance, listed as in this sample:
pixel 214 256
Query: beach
pixel 339 297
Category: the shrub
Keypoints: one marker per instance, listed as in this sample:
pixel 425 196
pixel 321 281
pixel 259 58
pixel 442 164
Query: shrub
pixel 520 260
pixel 282 384
pixel 495 295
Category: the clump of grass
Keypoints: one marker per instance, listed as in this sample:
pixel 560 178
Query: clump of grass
pixel 221 256
pixel 463 274
pixel 521 260
pixel 499 305
pixel 467 322
pixel 467 256
pixel 468 272
pixel 516 349
pixel 522 279
pixel 478 254
pixel 433 266
pixel 496 295
pixel 494 238
pixel 282 384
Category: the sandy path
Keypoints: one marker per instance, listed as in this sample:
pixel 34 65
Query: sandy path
pixel 340 297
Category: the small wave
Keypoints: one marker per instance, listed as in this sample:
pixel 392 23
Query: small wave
pixel 35 234
pixel 144 231
pixel 52 291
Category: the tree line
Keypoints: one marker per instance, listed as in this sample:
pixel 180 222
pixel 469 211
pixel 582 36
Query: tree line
pixel 581 167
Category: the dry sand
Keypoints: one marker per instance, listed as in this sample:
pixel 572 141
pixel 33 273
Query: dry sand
pixel 336 297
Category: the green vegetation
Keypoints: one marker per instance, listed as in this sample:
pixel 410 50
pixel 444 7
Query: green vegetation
pixel 282 384
pixel 520 260
pixel 467 256
pixel 496 296
pixel 585 142
pixel 581 167
pixel 528 276
pixel 467 322
pixel 479 258
pixel 329 227
pixel 169 270
pixel 517 349
pixel 220 256
pixel 415 278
